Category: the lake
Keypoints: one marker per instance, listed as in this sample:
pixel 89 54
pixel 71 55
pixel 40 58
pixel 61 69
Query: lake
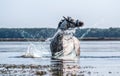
pixel 98 58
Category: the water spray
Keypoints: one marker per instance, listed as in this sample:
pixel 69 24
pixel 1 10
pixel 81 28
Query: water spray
pixel 32 50
pixel 89 29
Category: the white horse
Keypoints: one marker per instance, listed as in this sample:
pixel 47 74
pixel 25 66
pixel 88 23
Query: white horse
pixel 64 44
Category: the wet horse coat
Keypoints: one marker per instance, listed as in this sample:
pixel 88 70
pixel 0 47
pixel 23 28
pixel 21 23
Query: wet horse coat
pixel 64 44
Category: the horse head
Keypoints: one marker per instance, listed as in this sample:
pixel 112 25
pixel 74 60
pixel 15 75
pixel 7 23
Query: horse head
pixel 67 23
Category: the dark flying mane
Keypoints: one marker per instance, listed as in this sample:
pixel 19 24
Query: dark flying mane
pixel 71 23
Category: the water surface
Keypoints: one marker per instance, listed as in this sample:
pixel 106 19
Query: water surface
pixel 98 58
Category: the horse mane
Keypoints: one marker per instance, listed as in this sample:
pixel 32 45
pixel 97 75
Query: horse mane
pixel 71 23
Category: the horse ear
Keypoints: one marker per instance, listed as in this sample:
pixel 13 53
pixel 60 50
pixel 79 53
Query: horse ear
pixel 64 17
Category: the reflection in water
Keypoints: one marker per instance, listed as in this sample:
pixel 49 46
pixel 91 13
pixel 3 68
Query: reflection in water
pixel 65 68
pixel 57 68
pixel 96 60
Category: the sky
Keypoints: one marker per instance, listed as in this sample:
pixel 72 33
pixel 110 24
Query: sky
pixel 48 13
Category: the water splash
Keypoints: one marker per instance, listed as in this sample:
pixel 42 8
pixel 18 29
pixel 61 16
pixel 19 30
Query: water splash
pixel 25 33
pixel 32 52
pixel 89 29
pixel 68 33
pixel 68 42
pixel 85 33
pixel 50 39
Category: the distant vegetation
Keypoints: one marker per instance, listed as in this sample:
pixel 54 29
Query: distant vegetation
pixel 44 33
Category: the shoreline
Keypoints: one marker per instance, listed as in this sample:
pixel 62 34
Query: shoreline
pixel 39 39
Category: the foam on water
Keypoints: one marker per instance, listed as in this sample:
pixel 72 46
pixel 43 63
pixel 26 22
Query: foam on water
pixel 32 52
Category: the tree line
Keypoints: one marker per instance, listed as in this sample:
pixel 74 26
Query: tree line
pixel 45 33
